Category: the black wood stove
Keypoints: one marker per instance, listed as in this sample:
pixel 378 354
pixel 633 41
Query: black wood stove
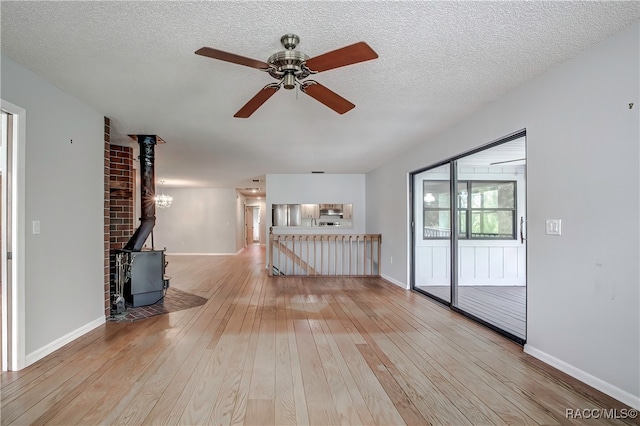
pixel 140 273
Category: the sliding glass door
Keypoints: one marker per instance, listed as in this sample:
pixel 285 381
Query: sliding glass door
pixel 432 229
pixel 476 264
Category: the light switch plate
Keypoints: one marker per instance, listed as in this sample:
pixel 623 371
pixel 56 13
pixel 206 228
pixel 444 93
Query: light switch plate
pixel 35 227
pixel 553 227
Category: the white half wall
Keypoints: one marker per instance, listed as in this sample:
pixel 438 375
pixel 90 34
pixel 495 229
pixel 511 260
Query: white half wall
pixel 200 221
pixel 583 306
pixel 317 188
pixel 64 280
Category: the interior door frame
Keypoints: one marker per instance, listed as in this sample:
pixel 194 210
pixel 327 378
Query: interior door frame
pixel 452 162
pixel 13 298
pixel 256 221
pixel 248 225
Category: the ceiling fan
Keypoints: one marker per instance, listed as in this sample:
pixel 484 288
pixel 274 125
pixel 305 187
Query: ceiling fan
pixel 291 66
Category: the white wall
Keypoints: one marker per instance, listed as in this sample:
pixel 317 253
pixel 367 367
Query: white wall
pixel 200 220
pixel 316 188
pixel 64 291
pixel 583 312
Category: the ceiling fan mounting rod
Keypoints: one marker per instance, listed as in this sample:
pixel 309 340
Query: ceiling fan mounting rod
pixel 289 41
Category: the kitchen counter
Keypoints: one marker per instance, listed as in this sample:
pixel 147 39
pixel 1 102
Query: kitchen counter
pixel 312 230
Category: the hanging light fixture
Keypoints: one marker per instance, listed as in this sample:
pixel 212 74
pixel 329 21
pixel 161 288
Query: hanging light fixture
pixel 429 198
pixel 163 201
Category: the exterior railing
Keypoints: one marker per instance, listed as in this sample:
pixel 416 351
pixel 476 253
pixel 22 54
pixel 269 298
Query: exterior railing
pixel 324 254
pixel 432 232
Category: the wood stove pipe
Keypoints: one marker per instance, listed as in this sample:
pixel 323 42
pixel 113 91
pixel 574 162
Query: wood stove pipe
pixel 147 192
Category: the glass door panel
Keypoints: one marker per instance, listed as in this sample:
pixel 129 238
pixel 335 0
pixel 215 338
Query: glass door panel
pixel 432 232
pixel 491 256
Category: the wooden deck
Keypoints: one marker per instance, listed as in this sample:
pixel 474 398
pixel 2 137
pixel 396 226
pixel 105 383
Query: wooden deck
pixel 292 351
pixel 502 306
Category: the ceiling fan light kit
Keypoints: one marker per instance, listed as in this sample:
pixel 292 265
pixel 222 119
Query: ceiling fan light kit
pixel 291 67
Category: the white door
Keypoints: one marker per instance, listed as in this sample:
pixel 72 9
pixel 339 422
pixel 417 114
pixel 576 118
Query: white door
pixel 12 163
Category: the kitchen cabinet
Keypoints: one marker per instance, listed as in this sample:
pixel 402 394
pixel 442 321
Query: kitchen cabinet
pixel 310 211
pixel 347 211
pixel 330 206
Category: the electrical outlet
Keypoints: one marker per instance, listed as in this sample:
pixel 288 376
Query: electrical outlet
pixel 553 227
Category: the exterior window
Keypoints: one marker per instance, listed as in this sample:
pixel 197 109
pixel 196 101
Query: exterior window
pixel 437 208
pixel 486 210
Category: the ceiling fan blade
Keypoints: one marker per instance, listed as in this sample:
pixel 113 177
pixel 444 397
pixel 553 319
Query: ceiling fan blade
pixel 257 101
pixel 232 57
pixel 348 55
pixel 323 95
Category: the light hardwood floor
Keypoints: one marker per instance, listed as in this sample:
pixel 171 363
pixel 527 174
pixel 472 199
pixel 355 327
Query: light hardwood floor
pixel 295 351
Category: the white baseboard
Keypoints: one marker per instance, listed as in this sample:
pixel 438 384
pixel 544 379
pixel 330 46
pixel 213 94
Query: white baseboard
pixel 394 281
pixel 605 387
pixel 58 343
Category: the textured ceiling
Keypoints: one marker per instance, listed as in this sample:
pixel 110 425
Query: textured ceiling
pixel 438 61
